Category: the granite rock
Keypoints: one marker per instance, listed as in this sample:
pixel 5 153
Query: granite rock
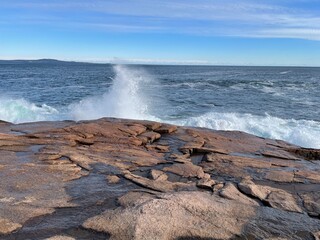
pixel 131 179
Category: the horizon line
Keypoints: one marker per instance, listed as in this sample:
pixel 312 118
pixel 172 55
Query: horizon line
pixel 155 62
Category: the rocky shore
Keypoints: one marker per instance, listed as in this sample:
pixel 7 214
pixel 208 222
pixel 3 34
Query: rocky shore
pixel 129 179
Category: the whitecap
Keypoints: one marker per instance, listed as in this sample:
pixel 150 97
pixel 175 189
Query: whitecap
pixel 21 110
pixel 300 132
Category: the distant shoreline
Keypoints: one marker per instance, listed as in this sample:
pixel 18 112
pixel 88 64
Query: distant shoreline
pixel 51 61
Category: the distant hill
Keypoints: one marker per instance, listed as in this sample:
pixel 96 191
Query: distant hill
pixel 45 60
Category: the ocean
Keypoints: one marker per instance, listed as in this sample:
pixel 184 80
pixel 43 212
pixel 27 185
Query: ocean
pixel 273 102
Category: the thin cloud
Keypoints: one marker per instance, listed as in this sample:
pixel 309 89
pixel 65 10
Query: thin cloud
pixel 310 34
pixel 279 19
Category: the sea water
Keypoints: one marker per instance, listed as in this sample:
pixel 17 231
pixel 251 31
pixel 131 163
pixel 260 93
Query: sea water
pixel 274 102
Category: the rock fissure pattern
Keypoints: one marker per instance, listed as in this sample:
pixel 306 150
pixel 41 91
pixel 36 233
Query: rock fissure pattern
pixel 130 179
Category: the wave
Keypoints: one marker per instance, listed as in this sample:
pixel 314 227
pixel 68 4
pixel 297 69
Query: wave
pixel 21 110
pixel 300 132
pixel 137 95
pixel 126 98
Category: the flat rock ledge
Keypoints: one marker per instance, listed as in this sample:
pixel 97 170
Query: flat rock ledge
pixel 129 179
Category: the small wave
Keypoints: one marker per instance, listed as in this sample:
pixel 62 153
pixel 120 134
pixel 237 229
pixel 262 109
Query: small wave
pixel 191 85
pixel 300 132
pixel 272 90
pixel 21 110
pixel 285 72
pixel 126 98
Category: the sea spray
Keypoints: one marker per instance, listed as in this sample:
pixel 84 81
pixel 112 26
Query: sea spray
pixel 126 98
pixel 21 110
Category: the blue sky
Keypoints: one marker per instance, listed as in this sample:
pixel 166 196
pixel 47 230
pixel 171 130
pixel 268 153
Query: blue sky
pixel 231 32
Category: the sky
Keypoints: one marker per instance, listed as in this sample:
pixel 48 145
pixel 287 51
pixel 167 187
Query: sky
pixel 219 32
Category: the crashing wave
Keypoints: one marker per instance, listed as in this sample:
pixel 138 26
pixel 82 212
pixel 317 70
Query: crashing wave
pixel 21 110
pixel 124 99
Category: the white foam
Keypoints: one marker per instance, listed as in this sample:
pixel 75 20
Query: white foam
pixel 21 110
pixel 300 132
pixel 124 99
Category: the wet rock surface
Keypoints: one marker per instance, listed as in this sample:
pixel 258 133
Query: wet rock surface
pixel 130 179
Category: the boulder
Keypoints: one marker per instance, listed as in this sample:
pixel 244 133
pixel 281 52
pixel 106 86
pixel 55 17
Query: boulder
pixel 200 215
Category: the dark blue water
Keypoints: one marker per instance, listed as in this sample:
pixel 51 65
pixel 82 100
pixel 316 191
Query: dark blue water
pixel 276 102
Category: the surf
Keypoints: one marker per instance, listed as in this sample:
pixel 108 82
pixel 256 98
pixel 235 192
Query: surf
pixel 134 93
pixel 300 132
